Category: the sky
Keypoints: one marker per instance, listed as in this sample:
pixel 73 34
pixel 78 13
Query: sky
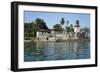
pixel 52 18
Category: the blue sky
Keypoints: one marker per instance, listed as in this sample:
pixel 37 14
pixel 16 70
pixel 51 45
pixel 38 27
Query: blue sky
pixel 52 18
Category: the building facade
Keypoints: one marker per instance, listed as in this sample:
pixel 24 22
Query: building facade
pixel 59 35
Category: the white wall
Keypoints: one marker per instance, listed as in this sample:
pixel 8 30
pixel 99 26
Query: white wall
pixel 5 35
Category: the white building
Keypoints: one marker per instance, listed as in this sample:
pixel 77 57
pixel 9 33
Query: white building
pixel 77 30
pixel 42 35
pixel 57 35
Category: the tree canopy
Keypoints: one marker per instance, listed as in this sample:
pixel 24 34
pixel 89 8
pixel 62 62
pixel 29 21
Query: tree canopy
pixel 70 28
pixel 67 23
pixel 30 29
pixel 57 27
pixel 40 24
pixel 85 29
pixel 62 21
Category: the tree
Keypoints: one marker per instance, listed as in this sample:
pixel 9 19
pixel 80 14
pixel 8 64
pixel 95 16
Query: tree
pixel 30 29
pixel 68 29
pixel 86 30
pixel 40 24
pixel 57 27
pixel 35 28
pixel 71 28
pixel 67 23
pixel 62 21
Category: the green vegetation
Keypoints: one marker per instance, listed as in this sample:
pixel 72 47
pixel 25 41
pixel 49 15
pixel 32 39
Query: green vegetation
pixel 57 27
pixel 70 28
pixel 67 23
pixel 39 24
pixel 86 30
pixel 62 21
pixel 30 29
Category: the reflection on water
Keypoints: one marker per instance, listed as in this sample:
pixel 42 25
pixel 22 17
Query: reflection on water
pixel 66 50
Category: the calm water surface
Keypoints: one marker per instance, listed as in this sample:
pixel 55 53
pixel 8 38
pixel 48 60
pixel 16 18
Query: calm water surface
pixel 66 50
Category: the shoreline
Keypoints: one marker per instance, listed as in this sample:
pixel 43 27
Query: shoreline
pixel 27 40
pixel 57 40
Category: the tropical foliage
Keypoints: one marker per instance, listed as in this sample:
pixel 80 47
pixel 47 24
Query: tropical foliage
pixel 38 24
pixel 62 21
pixel 57 27
pixel 30 29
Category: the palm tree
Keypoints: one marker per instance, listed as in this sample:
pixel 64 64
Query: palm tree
pixel 62 21
pixel 67 23
pixel 67 28
pixel 87 31
pixel 71 28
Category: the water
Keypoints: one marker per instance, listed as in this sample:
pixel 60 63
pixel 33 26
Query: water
pixel 66 50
